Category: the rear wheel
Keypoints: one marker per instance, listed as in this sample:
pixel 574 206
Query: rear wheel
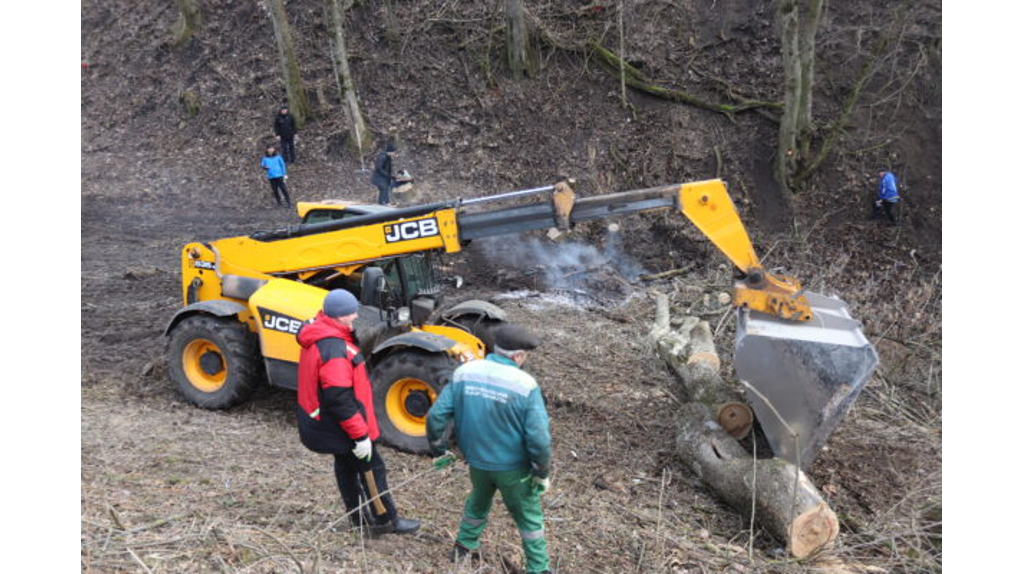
pixel 215 363
pixel 405 385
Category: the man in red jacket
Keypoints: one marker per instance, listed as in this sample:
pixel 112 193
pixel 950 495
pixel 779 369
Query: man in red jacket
pixel 336 413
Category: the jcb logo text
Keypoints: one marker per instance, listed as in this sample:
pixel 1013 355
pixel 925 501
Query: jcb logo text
pixel 410 230
pixel 283 323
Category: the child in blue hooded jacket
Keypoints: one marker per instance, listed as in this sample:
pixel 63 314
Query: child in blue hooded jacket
pixel 276 175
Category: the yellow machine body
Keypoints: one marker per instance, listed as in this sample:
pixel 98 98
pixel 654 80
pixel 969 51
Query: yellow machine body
pixel 246 298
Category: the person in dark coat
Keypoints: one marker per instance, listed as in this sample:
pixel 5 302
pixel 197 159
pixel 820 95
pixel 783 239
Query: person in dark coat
pixel 382 174
pixel 276 175
pixel 284 128
pixel 335 414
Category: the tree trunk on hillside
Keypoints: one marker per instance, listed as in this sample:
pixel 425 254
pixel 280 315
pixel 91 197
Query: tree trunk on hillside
pixel 390 23
pixel 189 18
pixel 781 497
pixel 808 40
pixel 789 24
pixel 517 39
pixel 360 137
pixel 798 24
pixel 298 103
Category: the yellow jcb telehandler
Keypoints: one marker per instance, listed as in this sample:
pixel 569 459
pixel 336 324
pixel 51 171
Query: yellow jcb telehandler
pixel 246 297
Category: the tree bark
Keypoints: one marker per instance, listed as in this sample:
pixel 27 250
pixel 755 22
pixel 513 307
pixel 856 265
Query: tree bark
pixel 390 24
pixel 690 352
pixel 783 500
pixel 189 18
pixel 808 34
pixel 785 161
pixel 517 39
pixel 298 103
pixel 360 137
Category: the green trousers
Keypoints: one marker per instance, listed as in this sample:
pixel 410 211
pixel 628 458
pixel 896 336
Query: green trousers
pixel 522 503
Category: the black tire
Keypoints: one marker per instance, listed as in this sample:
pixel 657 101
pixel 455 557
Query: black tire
pixel 409 376
pixel 215 363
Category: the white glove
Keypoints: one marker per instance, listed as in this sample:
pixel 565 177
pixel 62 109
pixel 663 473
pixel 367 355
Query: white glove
pixel 541 485
pixel 286 178
pixel 363 450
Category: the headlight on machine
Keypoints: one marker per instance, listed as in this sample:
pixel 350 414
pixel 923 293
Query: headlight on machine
pixel 403 314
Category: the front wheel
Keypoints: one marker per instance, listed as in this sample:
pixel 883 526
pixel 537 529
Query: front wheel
pixel 405 385
pixel 215 363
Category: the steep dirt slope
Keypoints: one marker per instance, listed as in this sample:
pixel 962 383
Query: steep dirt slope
pixel 190 490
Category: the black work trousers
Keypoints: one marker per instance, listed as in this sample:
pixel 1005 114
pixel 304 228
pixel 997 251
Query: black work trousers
pixel 891 209
pixel 359 479
pixel 280 191
pixel 288 149
pixel 384 194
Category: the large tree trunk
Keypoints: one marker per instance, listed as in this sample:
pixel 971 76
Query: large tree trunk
pixel 781 497
pixel 298 103
pixel 360 137
pixel 789 22
pixel 189 18
pixel 390 23
pixel 517 39
pixel 808 34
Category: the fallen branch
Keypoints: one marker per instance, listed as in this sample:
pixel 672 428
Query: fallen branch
pixel 637 80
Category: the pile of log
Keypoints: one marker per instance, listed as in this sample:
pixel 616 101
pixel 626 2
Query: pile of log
pixel 712 419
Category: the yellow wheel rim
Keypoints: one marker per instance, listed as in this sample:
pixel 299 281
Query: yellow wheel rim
pixel 398 402
pixel 199 376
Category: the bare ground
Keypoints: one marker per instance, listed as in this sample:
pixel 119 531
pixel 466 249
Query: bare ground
pixel 180 489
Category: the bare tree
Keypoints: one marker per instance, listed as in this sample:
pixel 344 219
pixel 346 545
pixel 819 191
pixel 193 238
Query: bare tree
pixel 798 22
pixel 189 18
pixel 298 103
pixel 390 23
pixel 517 39
pixel 361 137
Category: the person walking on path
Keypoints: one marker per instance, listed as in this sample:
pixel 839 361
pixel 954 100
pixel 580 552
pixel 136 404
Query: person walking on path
pixel 284 128
pixel 888 198
pixel 335 414
pixel 276 175
pixel 497 414
pixel 382 174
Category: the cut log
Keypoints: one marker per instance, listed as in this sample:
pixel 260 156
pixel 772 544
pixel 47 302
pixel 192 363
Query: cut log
pixel 690 351
pixel 783 500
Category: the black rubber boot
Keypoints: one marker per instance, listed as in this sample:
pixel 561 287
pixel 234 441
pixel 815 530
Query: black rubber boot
pixel 404 525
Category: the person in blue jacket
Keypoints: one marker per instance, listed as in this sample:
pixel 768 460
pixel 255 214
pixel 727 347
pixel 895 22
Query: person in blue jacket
pixel 273 164
pixel 888 197
pixel 498 417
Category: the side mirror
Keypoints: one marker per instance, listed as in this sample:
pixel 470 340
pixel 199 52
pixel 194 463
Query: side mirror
pixel 372 286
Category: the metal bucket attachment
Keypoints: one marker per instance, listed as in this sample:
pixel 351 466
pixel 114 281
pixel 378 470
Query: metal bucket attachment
pixel 810 373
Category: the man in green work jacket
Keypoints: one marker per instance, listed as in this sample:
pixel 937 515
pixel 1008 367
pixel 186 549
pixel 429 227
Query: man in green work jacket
pixel 502 429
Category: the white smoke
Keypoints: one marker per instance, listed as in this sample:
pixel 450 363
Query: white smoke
pixel 582 268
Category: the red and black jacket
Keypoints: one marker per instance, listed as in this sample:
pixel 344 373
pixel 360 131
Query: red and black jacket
pixel 335 397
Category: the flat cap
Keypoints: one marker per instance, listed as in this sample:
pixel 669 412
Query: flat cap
pixel 515 338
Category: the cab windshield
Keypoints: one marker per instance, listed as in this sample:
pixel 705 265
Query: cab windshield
pixel 414 273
